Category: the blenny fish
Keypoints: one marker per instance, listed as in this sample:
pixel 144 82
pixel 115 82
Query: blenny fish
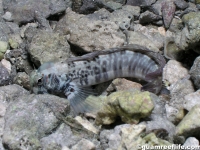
pixel 74 77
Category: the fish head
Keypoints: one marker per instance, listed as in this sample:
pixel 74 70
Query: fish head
pixel 36 82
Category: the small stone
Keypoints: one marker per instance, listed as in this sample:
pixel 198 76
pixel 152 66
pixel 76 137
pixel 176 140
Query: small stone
pixel 191 141
pixel 3 48
pixel 173 71
pixel 195 72
pixel 192 100
pixel 148 17
pixel 84 144
pixel 190 124
pixel 181 4
pixel 7 16
pixel 6 64
pixel 86 124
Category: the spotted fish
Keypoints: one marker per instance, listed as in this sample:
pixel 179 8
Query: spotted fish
pixel 74 77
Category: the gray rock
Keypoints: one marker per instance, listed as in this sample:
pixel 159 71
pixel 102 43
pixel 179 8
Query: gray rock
pixel 165 129
pixel 192 100
pixel 3 49
pixel 104 136
pixel 24 11
pixel 148 17
pixel 181 4
pixel 5 78
pixel 176 25
pixel 176 79
pixel 190 124
pixel 31 117
pixel 8 16
pixel 47 46
pixel 7 94
pixel 22 79
pixel 168 10
pixel 144 3
pixel 84 144
pixel 191 141
pixel 19 58
pixel 195 72
pixel 62 137
pixel 89 6
pixel 155 34
pixel 156 8
pixel 112 138
pixel 173 71
pixel 136 37
pixel 81 29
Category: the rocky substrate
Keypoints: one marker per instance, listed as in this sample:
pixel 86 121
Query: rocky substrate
pixel 35 32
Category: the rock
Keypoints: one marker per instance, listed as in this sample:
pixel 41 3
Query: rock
pixel 155 34
pixel 132 139
pixel 5 77
pixel 89 6
pixel 31 117
pixel 195 71
pixel 156 8
pixel 181 4
pixel 190 124
pixel 22 79
pixel 148 17
pixel 23 28
pixel 173 71
pixel 61 138
pixel 3 48
pixel 114 139
pixel 122 18
pixel 189 36
pixel 165 129
pixel 143 3
pixel 130 106
pixel 136 37
pixel 42 49
pixel 86 124
pixel 168 10
pixel 192 142
pixel 176 25
pixel 81 29
pixel 7 65
pixel 121 84
pixel 24 11
pixel 192 100
pixel 84 144
pixel 8 16
pixel 7 94
pixel 14 40
pixel 176 79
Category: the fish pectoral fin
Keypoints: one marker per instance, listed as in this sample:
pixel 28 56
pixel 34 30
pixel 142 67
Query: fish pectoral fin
pixel 80 102
pixel 153 86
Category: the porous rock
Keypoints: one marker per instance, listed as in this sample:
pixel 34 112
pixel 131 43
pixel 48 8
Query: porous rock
pixel 190 124
pixel 81 29
pixel 24 11
pixel 130 106
pixel 176 79
pixel 47 46
pixel 61 138
pixel 3 48
pixel 192 100
pixel 136 37
pixel 31 117
pixel 195 72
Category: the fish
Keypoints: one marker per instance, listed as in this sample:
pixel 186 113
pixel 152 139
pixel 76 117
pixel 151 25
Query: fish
pixel 74 77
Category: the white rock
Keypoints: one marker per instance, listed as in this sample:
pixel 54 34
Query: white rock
pixel 8 16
